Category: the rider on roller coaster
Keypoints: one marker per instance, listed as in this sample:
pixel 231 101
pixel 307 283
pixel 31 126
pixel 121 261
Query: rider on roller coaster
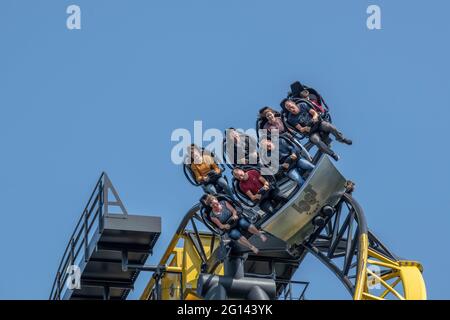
pixel 258 189
pixel 308 122
pixel 207 172
pixel 243 147
pixel 226 217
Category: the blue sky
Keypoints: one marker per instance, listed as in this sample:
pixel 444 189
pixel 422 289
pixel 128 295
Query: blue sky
pixel 108 96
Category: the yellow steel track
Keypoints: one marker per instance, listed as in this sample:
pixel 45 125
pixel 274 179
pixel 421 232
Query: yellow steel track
pixel 184 263
pixel 384 278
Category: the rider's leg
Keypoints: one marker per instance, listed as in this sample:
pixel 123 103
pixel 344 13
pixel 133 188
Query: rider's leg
pixel 329 128
pixel 236 235
pixel 296 176
pixel 316 139
pixel 225 187
pixel 243 241
pixel 209 188
pixel 266 206
pixel 275 195
pixel 244 224
pixel 305 165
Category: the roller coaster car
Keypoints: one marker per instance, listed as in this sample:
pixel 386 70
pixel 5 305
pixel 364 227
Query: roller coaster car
pixel 205 212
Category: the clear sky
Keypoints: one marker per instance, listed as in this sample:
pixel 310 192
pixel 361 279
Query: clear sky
pixel 108 96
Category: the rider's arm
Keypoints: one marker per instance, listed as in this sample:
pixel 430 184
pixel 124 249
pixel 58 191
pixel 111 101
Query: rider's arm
pixel 251 195
pixel 290 130
pixel 214 166
pixel 218 223
pixel 314 114
pixel 231 208
pixel 299 127
pixel 293 155
pixel 263 181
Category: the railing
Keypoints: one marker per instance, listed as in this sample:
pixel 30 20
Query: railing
pixel 287 293
pixel 285 288
pixel 90 222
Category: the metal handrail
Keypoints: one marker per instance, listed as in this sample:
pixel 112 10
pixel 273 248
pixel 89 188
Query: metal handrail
pixel 78 246
pixel 92 212
pixel 287 290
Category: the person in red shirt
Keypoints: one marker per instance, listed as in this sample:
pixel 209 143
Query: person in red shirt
pixel 258 189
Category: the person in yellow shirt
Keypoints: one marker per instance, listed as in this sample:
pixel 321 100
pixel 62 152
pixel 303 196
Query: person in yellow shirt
pixel 207 172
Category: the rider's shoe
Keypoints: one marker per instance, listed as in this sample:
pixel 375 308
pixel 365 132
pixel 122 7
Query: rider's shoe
pixel 346 141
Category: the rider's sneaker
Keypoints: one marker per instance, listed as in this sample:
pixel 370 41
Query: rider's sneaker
pixel 346 141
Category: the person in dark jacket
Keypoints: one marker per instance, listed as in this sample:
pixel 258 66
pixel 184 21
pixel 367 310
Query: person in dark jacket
pixel 308 122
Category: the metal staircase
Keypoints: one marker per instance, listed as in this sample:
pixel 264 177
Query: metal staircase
pixel 106 242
